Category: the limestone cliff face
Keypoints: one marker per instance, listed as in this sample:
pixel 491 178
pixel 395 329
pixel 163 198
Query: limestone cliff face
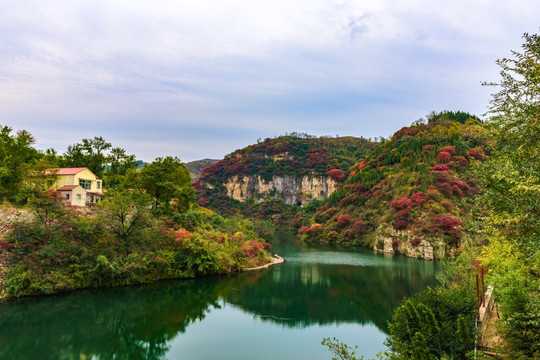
pixel 392 241
pixel 292 190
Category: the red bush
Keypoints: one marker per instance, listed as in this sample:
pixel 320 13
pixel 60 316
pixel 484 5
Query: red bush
pixel 357 228
pixel 401 204
pixel 344 219
pixel 444 156
pixel 457 191
pixel 447 222
pixel 418 198
pixel 428 148
pixel 359 188
pixel 445 189
pixel 449 149
pixel 336 174
pixel 252 249
pixel 440 168
pixel 347 200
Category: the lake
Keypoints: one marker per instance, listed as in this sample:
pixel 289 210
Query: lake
pixel 278 313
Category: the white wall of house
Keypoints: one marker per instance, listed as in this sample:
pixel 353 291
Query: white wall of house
pixel 76 197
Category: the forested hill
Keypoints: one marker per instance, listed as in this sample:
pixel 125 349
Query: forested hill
pixel 196 167
pixel 412 194
pixel 291 170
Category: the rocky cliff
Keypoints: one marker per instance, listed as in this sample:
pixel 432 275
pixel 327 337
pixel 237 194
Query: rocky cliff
pixel 276 177
pixel 290 189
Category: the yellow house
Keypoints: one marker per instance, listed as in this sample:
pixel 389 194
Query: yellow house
pixel 79 186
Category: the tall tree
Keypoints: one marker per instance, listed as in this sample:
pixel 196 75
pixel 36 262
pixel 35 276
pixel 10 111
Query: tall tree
pixel 126 214
pixel 89 153
pixel 17 155
pixel 167 178
pixel 512 182
pixel 119 163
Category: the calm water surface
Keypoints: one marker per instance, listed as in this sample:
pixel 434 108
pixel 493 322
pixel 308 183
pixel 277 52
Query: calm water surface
pixel 280 313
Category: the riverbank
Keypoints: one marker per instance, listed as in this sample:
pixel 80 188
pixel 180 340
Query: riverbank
pixel 4 260
pixel 276 259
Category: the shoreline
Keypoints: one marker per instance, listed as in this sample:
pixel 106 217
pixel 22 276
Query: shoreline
pixel 276 259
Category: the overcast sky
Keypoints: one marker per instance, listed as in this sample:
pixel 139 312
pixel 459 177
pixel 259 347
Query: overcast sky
pixel 202 78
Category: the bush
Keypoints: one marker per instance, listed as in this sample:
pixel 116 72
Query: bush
pixel 439 322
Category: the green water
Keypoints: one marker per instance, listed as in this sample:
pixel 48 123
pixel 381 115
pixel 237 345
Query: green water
pixel 279 313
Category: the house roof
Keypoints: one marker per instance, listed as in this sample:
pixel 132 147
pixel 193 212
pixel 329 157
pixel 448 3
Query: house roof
pixel 67 187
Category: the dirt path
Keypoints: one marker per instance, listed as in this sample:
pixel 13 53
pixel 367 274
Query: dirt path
pixel 491 343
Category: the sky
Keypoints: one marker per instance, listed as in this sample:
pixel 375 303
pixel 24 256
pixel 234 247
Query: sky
pixel 200 79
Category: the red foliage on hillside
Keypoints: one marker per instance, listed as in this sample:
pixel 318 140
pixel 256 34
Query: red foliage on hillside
pixel 447 222
pixel 418 198
pixel 449 149
pixel 444 157
pixel 336 174
pixel 401 204
pixel 344 219
pixel 440 168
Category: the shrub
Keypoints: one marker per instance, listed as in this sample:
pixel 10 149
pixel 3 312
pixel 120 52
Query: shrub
pixel 444 157
pixel 357 229
pixel 344 219
pixel 401 204
pixel 476 153
pixel 400 224
pixel 448 222
pixel 315 229
pixel 440 168
pixel 336 174
pixel 418 198
pixel 459 162
pixel 449 149
pixel 433 324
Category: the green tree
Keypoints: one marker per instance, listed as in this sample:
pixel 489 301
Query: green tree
pixel 167 178
pixel 17 157
pixel 89 153
pixel 126 214
pixel 512 182
pixel 119 163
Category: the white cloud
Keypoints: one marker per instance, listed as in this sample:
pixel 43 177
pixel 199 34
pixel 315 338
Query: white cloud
pixel 248 65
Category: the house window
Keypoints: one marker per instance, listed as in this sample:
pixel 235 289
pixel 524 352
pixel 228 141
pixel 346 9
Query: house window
pixel 78 196
pixel 67 196
pixel 85 184
pixel 98 185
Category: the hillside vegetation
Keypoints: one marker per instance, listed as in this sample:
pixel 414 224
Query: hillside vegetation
pixel 291 157
pixel 196 167
pixel 415 187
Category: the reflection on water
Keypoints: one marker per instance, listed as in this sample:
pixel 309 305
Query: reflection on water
pixel 315 288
